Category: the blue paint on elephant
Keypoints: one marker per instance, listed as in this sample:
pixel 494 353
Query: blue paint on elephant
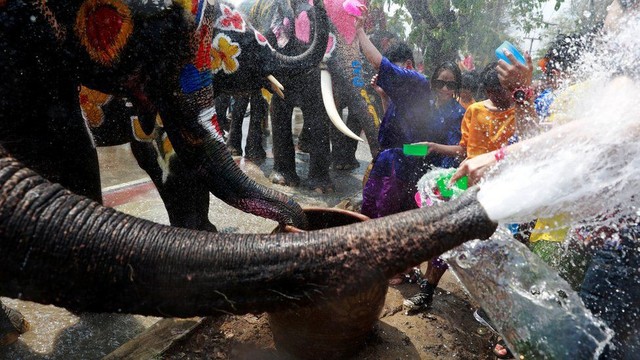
pixel 358 80
pixel 192 80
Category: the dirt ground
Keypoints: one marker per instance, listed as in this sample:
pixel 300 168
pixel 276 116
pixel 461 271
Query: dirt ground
pixel 447 330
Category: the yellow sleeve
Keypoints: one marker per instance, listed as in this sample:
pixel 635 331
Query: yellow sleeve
pixel 465 126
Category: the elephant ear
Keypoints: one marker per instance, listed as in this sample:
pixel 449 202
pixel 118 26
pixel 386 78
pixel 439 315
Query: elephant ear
pixel 281 27
pixel 343 22
pixel 303 27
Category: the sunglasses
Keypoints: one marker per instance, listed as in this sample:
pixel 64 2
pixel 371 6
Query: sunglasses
pixel 439 84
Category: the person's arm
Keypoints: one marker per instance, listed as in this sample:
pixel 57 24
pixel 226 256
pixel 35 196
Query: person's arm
pixel 446 150
pixel 516 76
pixel 369 50
pixel 383 96
pixel 476 167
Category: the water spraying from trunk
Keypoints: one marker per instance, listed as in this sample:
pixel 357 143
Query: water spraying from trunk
pixel 590 168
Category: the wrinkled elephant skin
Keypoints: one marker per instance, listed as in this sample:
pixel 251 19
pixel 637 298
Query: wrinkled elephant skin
pixel 63 249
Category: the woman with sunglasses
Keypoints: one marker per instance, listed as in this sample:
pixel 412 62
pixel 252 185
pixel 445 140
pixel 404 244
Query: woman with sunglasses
pixel 487 126
pixel 416 110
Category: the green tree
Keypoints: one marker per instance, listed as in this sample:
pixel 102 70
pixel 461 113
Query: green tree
pixel 442 29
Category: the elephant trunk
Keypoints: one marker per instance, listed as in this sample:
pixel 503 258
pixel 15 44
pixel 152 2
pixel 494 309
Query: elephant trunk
pixel 316 51
pixel 63 249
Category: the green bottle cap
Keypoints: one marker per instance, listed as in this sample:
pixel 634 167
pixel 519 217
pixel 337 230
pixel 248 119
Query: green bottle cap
pixel 415 149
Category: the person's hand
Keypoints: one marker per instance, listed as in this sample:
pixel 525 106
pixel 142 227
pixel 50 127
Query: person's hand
pixel 360 20
pixel 376 87
pixel 474 168
pixel 515 75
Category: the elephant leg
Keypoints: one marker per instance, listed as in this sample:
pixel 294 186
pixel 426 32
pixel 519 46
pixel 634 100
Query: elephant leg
pixel 234 143
pixel 343 148
pixel 12 324
pixel 253 149
pixel 304 141
pixel 284 161
pixel 319 156
pixel 222 104
pixel 182 192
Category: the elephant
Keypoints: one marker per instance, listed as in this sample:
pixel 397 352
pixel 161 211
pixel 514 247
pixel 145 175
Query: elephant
pixel 288 24
pixel 60 246
pixel 169 58
pixel 115 121
pixel 254 151
pixel 67 250
pixel 212 49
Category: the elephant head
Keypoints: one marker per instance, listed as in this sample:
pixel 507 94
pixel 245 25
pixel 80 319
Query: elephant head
pixel 168 57
pixel 67 250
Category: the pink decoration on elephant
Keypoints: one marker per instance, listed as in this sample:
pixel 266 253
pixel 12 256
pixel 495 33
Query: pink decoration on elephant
pixel 303 27
pixel 343 22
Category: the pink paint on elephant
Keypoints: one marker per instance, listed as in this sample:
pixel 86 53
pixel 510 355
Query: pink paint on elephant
pixel 344 23
pixel 303 27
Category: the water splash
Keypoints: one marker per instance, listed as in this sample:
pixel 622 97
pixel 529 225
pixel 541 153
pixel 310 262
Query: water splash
pixel 535 310
pixel 591 169
pixel 594 167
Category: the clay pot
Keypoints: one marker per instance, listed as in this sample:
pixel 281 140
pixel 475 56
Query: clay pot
pixel 339 327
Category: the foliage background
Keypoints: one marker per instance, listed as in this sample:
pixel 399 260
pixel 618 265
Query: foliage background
pixel 450 29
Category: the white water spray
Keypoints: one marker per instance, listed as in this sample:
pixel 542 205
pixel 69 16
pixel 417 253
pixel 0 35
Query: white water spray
pixel 586 168
pixel 593 167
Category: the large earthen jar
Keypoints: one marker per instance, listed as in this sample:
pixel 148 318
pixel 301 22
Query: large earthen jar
pixel 337 328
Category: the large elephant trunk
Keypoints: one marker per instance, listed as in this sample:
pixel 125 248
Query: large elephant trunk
pixel 63 249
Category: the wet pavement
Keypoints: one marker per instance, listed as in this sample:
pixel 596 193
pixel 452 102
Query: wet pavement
pixel 59 334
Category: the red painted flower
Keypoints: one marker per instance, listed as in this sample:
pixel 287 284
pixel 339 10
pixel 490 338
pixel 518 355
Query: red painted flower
pixel 230 20
pixel 262 40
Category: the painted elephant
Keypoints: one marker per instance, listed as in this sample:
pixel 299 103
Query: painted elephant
pixel 115 121
pixel 288 24
pixel 170 60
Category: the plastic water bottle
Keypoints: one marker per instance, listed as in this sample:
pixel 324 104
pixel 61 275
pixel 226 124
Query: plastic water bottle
pixel 512 49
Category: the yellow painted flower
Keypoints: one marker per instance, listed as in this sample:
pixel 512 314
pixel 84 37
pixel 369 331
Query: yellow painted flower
pixel 223 54
pixel 91 102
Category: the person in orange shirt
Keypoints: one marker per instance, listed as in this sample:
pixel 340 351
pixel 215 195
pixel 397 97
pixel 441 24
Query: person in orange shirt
pixel 487 126
pixel 490 124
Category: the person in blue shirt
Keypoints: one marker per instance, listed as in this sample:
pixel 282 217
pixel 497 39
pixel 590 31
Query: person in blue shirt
pixel 417 110
pixel 413 114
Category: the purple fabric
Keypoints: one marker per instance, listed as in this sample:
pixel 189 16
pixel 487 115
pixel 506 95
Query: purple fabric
pixel 439 264
pixel 386 195
pixel 411 117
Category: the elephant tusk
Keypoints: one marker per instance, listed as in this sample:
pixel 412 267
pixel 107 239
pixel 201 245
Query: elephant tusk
pixel 275 82
pixel 276 86
pixel 330 106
